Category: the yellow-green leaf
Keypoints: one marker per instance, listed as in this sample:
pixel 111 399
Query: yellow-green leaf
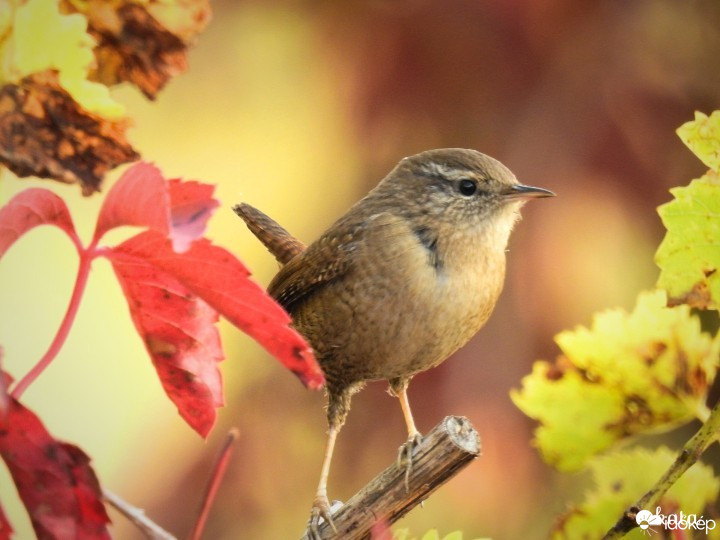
pixel 702 136
pixel 689 255
pixel 401 534
pixel 42 38
pixel 622 478
pixel 432 534
pixel 629 373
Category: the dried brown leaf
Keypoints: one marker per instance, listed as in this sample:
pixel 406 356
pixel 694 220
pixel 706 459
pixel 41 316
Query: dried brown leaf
pixel 45 133
pixel 145 45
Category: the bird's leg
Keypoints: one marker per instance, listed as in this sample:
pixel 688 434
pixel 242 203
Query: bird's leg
pixel 321 504
pixel 338 407
pixel 398 387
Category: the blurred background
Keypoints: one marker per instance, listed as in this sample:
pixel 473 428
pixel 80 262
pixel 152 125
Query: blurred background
pixel 299 108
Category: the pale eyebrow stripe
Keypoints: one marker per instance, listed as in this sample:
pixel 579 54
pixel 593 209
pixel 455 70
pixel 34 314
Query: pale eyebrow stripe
pixel 438 169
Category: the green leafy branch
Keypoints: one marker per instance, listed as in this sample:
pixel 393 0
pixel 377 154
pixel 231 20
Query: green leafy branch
pixel 642 372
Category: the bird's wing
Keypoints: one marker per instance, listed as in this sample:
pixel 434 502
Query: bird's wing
pixel 334 255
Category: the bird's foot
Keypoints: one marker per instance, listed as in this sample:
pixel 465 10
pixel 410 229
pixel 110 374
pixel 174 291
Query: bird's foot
pixel 320 512
pixel 405 456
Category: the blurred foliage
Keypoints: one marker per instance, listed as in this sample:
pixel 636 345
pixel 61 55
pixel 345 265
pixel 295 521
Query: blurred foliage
pixel 619 478
pixel 58 119
pixel 38 37
pixel 635 373
pixel 432 534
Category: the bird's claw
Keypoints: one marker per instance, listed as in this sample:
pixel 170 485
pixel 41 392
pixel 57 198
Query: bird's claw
pixel 405 455
pixel 320 511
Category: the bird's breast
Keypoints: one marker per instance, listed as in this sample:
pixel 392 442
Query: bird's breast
pixel 428 303
pixel 406 305
pixel 457 301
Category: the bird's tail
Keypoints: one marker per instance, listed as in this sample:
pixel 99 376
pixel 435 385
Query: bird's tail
pixel 283 245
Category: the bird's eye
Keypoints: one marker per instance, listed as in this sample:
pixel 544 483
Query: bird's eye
pixel 467 187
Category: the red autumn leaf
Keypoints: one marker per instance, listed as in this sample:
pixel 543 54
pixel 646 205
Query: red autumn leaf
pixel 381 530
pixel 215 275
pixel 140 197
pixel 54 479
pixel 6 529
pixel 30 208
pixel 179 333
pixel 176 285
pixel 143 198
pixel 192 205
pixel 5 381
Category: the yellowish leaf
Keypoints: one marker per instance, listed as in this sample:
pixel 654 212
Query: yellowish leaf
pixel 689 255
pixel 702 136
pixel 432 534
pixel 41 39
pixel 629 373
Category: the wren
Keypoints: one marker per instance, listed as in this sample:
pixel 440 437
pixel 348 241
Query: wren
pixel 405 278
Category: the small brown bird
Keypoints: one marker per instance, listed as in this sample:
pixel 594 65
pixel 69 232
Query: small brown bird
pixel 405 278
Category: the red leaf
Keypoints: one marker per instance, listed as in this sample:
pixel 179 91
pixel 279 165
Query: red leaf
pixel 142 197
pixel 381 530
pixel 30 208
pixel 221 280
pixel 5 381
pixel 139 198
pixel 54 479
pixel 192 205
pixel 179 333
pixel 6 529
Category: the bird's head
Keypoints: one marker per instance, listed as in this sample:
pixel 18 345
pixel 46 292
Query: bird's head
pixel 460 186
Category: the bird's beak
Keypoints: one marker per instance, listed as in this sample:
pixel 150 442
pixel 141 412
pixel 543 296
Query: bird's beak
pixel 520 191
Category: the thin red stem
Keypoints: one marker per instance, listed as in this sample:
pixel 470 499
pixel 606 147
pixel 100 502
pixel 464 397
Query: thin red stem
pixel 86 257
pixel 214 483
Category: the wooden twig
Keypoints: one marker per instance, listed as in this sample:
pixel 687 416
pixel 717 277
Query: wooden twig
pixel 443 452
pixel 216 477
pixel 137 516
pixel 691 452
